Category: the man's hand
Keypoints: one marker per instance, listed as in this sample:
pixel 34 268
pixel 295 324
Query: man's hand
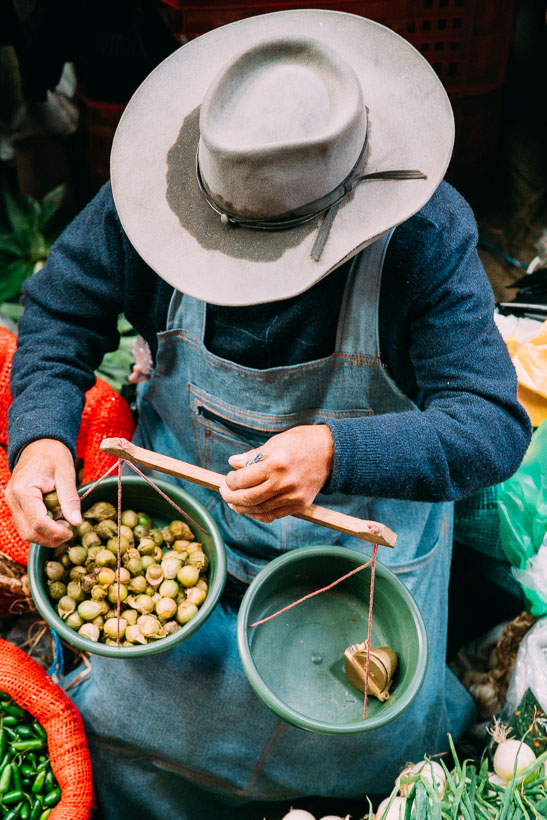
pixel 294 466
pixel 43 466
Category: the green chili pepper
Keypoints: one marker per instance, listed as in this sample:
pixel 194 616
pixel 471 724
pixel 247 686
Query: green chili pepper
pixel 36 811
pixel 27 770
pixel 10 733
pixel 26 745
pixel 13 709
pixel 24 731
pixel 39 781
pixel 24 814
pixel 49 782
pixel 5 778
pixel 31 757
pixel 52 798
pixel 5 759
pixel 11 720
pixel 39 730
pixel 3 738
pixel 13 796
pixel 16 778
pixel 13 814
pixel 45 814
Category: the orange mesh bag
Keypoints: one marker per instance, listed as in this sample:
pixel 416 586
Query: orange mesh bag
pixel 106 414
pixel 32 688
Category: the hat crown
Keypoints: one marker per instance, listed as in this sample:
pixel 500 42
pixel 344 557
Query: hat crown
pixel 281 126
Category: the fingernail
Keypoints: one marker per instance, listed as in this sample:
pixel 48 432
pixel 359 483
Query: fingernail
pixel 74 517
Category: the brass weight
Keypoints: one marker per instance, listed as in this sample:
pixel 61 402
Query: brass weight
pixel 382 665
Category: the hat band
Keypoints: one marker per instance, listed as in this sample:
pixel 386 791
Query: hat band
pixel 327 205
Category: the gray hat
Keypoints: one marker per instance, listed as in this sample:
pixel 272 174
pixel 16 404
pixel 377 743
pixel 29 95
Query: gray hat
pixel 257 158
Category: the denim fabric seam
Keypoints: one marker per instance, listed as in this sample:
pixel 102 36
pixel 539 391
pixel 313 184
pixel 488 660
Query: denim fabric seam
pixel 189 774
pixel 266 751
pixel 271 372
pixel 249 416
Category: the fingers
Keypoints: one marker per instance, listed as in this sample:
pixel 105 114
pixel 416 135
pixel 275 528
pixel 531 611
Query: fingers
pixel 65 483
pixel 43 465
pixel 31 518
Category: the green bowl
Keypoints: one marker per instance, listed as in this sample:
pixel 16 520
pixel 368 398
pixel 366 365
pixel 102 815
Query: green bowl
pixel 138 495
pixel 294 662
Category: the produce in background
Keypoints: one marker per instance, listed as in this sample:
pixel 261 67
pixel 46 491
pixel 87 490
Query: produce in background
pixel 429 791
pixel 31 688
pixel 26 236
pixel 300 814
pixel 28 789
pixel 516 789
pixel 27 231
pixel 158 591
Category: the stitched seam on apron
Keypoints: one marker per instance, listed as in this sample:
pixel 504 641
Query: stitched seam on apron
pixel 217 405
pixel 266 751
pixel 189 774
pixel 249 372
pixel 411 567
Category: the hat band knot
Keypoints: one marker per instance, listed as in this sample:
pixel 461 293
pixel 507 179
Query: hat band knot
pixel 326 205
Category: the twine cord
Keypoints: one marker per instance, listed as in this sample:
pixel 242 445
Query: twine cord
pixel 118 466
pixel 119 553
pixel 163 495
pixel 372 565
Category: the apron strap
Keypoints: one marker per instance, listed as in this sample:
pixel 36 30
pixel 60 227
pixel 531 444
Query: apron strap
pixel 359 320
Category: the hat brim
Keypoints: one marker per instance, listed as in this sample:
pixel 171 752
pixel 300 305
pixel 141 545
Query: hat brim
pixel 179 236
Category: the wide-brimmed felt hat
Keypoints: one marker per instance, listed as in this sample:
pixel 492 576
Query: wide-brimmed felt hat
pixel 257 158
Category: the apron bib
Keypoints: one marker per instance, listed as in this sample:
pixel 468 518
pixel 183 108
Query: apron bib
pixel 184 727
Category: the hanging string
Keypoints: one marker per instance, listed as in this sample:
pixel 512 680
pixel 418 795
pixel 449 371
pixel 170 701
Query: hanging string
pixel 318 591
pixel 372 565
pixel 119 553
pixel 369 632
pixel 163 495
pixel 110 470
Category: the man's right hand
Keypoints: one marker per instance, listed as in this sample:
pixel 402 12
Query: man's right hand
pixel 43 466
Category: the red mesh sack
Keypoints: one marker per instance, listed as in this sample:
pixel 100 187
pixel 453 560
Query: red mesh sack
pixel 106 414
pixel 32 688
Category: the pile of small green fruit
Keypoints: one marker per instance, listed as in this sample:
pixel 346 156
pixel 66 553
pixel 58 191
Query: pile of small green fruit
pixel 158 591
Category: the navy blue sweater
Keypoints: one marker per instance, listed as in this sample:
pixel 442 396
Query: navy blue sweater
pixel 437 335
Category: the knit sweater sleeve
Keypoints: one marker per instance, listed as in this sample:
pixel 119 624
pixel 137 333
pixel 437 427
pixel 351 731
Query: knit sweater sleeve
pixel 469 430
pixel 69 323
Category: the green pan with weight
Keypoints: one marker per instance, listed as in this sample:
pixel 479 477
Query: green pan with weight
pixel 137 494
pixel 294 662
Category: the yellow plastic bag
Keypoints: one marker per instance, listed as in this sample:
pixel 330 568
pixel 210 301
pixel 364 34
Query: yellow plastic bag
pixel 530 361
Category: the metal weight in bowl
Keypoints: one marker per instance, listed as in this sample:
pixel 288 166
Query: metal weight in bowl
pixel 137 494
pixel 294 662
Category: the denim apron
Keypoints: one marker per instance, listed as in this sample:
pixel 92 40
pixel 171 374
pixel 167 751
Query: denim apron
pixel 183 731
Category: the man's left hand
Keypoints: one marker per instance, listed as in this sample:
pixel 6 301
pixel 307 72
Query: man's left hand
pixel 293 469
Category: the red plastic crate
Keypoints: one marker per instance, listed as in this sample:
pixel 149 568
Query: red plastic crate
pixel 466 41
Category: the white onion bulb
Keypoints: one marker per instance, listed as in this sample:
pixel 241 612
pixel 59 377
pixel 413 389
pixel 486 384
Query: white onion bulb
pixel 509 752
pixel 427 770
pixel 512 756
pixel 497 781
pixel 299 814
pixel 396 810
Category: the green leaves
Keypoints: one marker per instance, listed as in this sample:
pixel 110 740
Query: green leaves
pixel 25 238
pixel 50 205
pixel 13 276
